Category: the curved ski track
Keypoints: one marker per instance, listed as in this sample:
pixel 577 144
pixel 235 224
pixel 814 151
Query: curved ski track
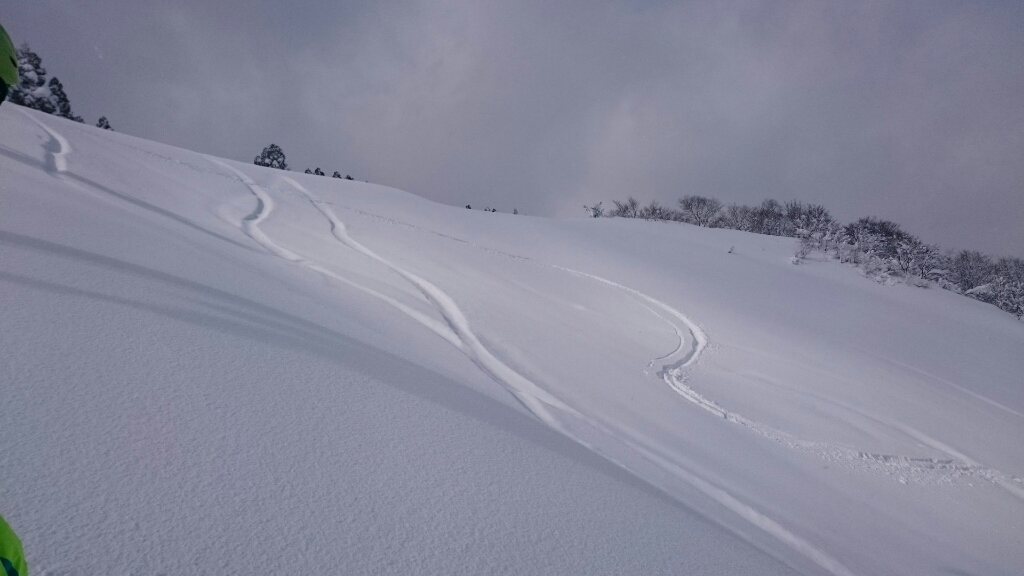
pixel 457 332
pixel 533 398
pixel 673 374
pixel 57 149
pixel 904 468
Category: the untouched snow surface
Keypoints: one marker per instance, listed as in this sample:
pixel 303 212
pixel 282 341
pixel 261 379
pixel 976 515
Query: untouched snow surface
pixel 214 368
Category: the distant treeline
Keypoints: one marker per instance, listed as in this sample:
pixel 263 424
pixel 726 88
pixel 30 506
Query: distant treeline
pixel 879 247
pixel 319 172
pixel 273 157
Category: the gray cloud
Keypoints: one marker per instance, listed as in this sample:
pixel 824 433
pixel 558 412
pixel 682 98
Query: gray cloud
pixel 905 110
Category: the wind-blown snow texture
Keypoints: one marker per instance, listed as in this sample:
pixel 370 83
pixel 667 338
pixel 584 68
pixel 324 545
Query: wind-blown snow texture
pixel 216 368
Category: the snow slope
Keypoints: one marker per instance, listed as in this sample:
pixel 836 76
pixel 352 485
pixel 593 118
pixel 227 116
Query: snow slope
pixel 211 367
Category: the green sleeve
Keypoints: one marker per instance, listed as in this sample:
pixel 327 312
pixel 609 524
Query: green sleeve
pixel 8 59
pixel 12 557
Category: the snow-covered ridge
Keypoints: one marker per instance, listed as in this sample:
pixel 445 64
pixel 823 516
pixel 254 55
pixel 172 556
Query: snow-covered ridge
pixel 820 423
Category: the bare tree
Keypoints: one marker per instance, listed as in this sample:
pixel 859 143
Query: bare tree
pixel 818 219
pixel 1008 286
pixel 908 253
pixel 595 211
pixel 628 209
pixel 736 217
pixel 654 211
pixel 769 218
pixel 876 238
pixel 972 269
pixel 700 210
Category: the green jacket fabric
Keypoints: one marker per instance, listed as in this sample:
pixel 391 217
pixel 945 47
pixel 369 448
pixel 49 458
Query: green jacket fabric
pixel 12 557
pixel 8 59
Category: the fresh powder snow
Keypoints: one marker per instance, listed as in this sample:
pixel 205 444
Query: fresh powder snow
pixel 211 367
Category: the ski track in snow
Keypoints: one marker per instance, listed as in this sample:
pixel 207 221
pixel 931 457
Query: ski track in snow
pixel 533 398
pixel 457 332
pixel 57 149
pixel 905 469
pixel 671 374
pixel 265 204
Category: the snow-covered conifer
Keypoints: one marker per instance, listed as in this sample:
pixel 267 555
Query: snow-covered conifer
pixel 103 123
pixel 31 91
pixel 59 99
pixel 272 157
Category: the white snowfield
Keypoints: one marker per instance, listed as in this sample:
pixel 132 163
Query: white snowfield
pixel 209 367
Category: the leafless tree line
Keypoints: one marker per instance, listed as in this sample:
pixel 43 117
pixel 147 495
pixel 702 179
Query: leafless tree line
pixel 880 247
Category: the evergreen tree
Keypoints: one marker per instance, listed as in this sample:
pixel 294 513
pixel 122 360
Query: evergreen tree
pixel 308 171
pixel 347 177
pixel 103 123
pixel 60 102
pixel 336 174
pixel 319 172
pixel 272 157
pixel 31 91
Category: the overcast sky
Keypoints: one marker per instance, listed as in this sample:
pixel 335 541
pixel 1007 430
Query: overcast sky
pixel 911 111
